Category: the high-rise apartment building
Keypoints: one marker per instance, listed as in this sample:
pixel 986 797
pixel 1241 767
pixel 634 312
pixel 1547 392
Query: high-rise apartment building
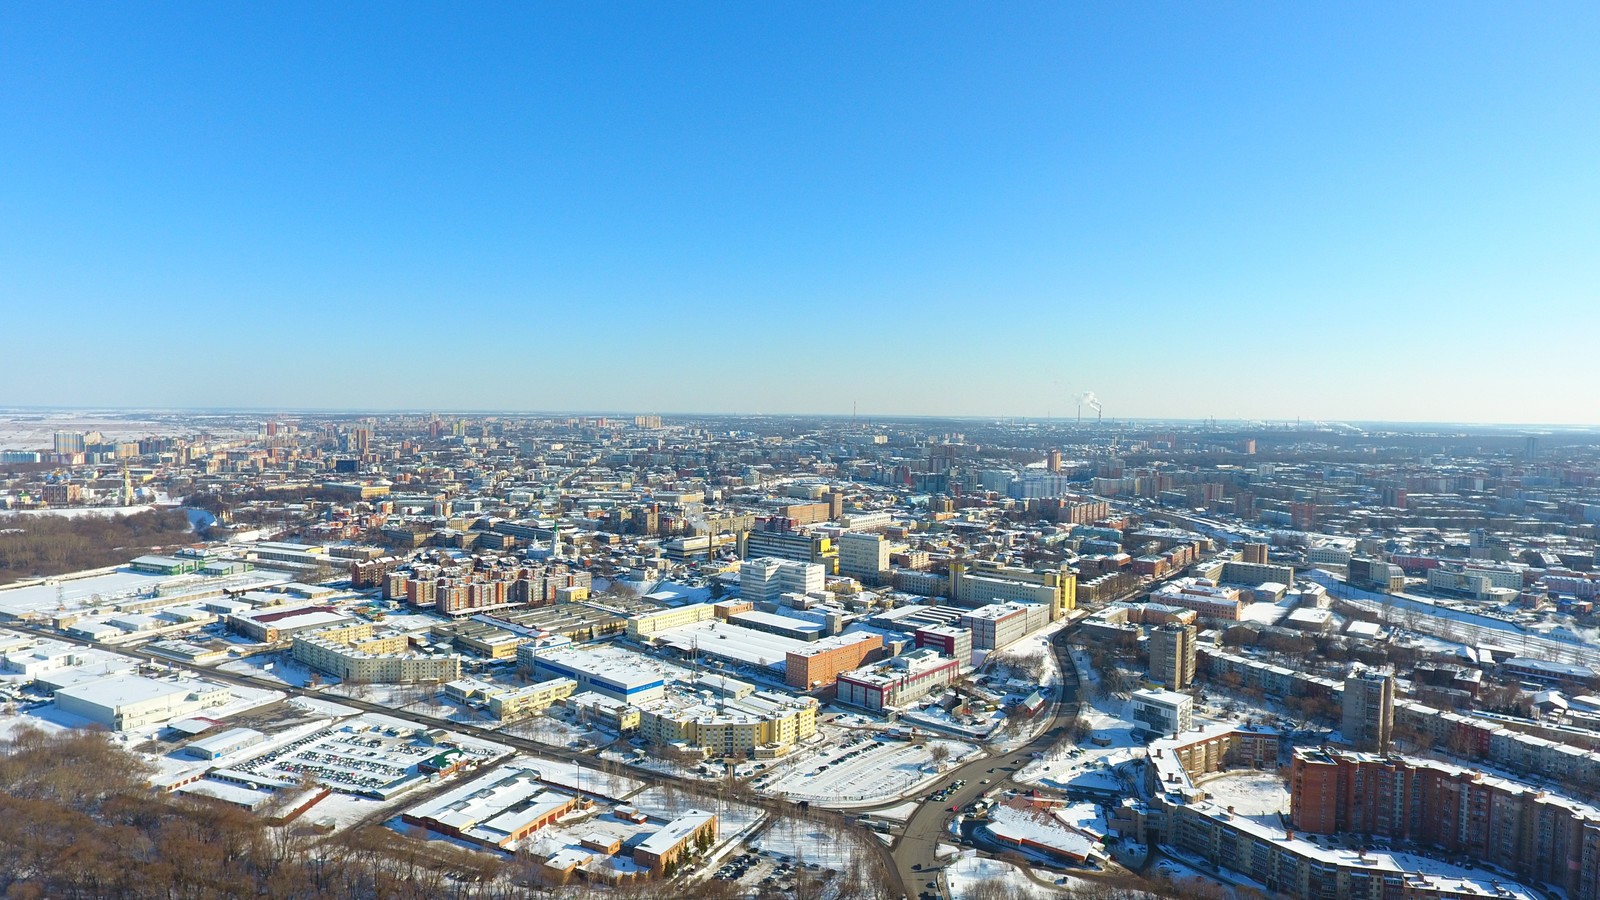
pixel 1369 711
pixel 864 557
pixel 1528 831
pixel 1173 655
pixel 1255 553
pixel 764 580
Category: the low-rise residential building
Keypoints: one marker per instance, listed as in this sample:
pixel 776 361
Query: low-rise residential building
pixel 763 724
pixel 689 834
pixel 357 653
pixel 1163 712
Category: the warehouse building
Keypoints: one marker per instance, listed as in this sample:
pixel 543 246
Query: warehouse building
pixel 622 676
pixel 126 702
pixel 222 743
pixel 496 810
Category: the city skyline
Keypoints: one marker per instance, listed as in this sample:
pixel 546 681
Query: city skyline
pixel 1356 214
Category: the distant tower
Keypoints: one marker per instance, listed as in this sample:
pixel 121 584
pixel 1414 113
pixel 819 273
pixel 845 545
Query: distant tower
pixel 1530 447
pixel 127 485
pixel 1052 460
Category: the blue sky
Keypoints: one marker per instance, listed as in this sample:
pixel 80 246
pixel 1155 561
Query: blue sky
pixel 1240 210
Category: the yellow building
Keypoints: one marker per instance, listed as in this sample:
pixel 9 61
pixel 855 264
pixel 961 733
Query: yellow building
pixel 985 581
pixel 649 623
pixel 528 700
pixel 354 653
pixel 764 723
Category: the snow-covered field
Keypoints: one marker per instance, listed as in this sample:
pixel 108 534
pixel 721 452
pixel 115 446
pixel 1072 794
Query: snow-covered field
pixel 965 874
pixel 585 779
pixel 1194 883
pixel 975 727
pixel 277 667
pixel 74 512
pixel 812 842
pixel 898 813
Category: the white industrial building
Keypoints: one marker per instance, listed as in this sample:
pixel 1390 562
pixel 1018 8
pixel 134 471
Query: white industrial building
pixel 222 743
pixel 132 701
pixel 999 624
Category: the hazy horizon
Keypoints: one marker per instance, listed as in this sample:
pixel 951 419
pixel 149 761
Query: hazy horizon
pixel 1087 423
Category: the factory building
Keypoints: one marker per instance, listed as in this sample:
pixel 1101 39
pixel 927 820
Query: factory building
pixel 1001 624
pixel 899 680
pixel 126 702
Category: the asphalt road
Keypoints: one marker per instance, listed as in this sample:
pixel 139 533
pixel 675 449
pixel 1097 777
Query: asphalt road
pixel 915 857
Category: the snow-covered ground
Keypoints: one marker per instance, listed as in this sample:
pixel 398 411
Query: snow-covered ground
pixel 323 707
pixel 1191 882
pixel 553 730
pixel 1090 765
pixel 341 811
pixel 74 512
pixel 965 874
pixel 1036 645
pixel 1087 817
pixel 10 724
pixel 879 770
pixel 585 779
pixel 898 813
pixel 975 727
pixel 812 842
pixel 1256 795
pixel 279 667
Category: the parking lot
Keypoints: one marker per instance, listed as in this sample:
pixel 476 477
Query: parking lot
pixel 371 756
pixel 861 769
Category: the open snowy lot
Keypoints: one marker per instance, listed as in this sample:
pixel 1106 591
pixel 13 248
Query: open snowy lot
pixel 965 874
pixel 862 770
pixel 811 842
pixel 1258 795
pixel 1091 765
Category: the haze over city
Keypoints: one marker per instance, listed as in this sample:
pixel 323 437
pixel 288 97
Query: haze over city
pixel 1358 212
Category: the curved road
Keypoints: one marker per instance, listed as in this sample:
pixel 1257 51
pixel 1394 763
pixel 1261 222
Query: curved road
pixel 915 853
